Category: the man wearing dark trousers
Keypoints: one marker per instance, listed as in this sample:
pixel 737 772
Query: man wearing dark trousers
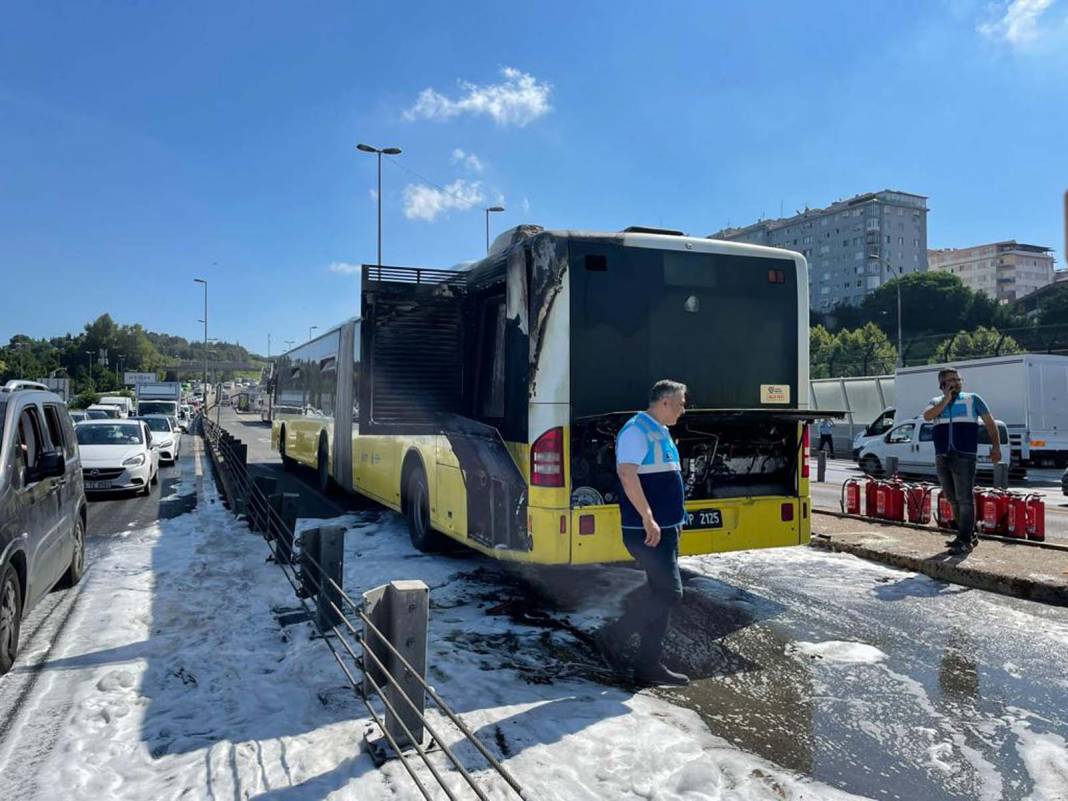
pixel 652 512
pixel 956 415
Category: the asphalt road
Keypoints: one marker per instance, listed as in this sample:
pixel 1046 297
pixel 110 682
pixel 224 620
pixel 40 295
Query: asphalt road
pixel 1047 483
pixel 33 700
pixel 873 680
pixel 882 683
pixel 264 461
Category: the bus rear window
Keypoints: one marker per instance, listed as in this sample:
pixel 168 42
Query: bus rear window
pixel 710 320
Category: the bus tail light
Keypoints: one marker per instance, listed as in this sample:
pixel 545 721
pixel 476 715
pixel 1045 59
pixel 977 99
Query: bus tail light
pixel 805 452
pixel 786 512
pixel 547 459
pixel 587 524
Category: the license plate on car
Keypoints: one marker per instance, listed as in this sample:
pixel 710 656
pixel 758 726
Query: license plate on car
pixel 704 518
pixel 97 485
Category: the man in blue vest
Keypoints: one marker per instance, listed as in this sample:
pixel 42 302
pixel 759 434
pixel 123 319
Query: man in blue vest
pixel 956 415
pixel 652 510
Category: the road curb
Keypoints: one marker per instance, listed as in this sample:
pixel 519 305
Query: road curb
pixel 951 570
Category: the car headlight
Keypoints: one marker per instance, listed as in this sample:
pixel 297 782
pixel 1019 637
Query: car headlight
pixel 134 461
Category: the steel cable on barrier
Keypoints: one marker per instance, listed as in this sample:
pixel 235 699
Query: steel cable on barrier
pixel 353 683
pixel 404 694
pixel 258 498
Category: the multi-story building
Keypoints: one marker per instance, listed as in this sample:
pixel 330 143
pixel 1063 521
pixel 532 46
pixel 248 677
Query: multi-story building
pixel 1003 270
pixel 853 246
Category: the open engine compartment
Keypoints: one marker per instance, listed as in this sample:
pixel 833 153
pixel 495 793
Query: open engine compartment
pixel 723 455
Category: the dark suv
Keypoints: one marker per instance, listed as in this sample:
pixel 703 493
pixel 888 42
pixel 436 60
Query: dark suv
pixel 42 505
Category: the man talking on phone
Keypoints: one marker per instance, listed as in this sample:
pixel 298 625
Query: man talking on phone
pixel 956 415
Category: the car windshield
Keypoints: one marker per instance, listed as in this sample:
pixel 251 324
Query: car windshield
pixel 116 434
pixel 95 414
pixel 158 424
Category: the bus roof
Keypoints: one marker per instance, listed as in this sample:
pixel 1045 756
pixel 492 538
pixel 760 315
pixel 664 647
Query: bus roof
pixel 642 238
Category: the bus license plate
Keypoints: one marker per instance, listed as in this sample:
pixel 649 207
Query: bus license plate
pixel 97 485
pixel 704 518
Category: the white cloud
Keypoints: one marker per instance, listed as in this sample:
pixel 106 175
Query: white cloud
pixel 422 202
pixel 344 268
pixel 373 193
pixel 469 160
pixel 518 99
pixel 525 205
pixel 1016 22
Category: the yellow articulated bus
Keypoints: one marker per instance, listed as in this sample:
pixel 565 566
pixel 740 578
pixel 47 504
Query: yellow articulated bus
pixel 483 402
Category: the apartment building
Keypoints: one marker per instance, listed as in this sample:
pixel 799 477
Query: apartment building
pixel 1003 270
pixel 853 246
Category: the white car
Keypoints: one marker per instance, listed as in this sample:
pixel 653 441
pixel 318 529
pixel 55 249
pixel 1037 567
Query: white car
pixel 165 435
pixel 117 455
pixel 912 442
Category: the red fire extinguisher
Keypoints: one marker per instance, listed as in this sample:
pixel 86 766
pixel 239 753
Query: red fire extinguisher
pixel 890 500
pixel 918 501
pixel 1036 518
pixel 944 516
pixel 851 496
pixel 1016 516
pixel 871 491
pixel 989 505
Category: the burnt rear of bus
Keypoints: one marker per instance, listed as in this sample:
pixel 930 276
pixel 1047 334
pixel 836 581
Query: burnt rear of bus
pixel 725 325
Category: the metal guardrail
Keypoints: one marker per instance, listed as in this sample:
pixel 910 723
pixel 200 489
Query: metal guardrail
pixel 228 458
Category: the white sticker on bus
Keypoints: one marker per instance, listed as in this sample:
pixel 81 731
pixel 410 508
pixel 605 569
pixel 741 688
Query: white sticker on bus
pixel 774 393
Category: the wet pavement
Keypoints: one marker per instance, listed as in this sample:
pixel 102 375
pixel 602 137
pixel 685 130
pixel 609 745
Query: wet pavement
pixel 884 683
pixel 881 682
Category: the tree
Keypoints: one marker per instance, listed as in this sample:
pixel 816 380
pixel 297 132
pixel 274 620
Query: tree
pixel 930 302
pixel 820 348
pixel 862 351
pixel 1053 308
pixel 975 344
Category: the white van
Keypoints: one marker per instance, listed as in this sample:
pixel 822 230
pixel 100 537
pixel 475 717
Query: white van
pixel 912 442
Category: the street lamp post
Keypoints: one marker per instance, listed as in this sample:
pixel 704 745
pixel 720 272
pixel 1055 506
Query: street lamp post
pixel 388 151
pixel 90 353
pixel 205 321
pixel 897 285
pixel 490 209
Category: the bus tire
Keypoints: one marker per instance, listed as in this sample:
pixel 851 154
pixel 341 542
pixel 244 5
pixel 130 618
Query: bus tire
pixel 322 467
pixel 287 463
pixel 417 512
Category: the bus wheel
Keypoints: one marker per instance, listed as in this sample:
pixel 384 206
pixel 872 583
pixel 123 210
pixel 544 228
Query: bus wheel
pixel 287 463
pixel 323 468
pixel 417 511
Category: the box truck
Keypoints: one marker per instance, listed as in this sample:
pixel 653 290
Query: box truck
pixel 1028 391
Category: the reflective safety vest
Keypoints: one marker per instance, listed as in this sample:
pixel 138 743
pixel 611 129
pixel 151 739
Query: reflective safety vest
pixel 660 475
pixel 957 427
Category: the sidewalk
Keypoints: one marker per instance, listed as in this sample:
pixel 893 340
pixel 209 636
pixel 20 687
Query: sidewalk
pixel 1036 574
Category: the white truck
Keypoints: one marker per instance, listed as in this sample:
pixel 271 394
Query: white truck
pixel 161 397
pixel 125 405
pixel 1028 391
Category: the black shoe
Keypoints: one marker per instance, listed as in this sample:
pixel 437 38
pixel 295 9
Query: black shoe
pixel 610 646
pixel 961 547
pixel 659 675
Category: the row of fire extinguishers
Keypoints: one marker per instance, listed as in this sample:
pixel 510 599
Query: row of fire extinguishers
pixel 998 512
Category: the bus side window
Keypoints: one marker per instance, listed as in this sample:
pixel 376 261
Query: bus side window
pixel 490 385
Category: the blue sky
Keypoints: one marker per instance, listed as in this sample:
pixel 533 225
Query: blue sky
pixel 147 143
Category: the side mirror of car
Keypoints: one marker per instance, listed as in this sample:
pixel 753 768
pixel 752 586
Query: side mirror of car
pixel 51 464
